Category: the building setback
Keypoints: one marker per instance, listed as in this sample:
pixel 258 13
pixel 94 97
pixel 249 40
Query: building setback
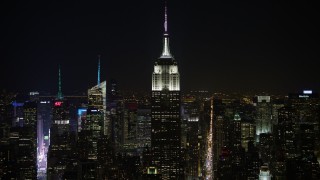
pixel 165 113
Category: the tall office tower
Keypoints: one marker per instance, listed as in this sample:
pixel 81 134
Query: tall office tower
pixel 45 115
pixel 17 120
pixel 193 164
pixel 130 126
pixel 306 139
pixel 89 144
pixel 97 96
pixel 27 151
pixel 252 161
pixel 34 96
pixel 60 114
pixel 165 112
pixel 307 104
pixel 266 146
pixel 238 152
pixel 60 150
pixel 115 115
pixel 143 127
pixel 6 100
pixel 114 93
pixel 186 103
pixel 276 105
pixel 247 133
pixel 224 165
pixel 219 138
pixel 10 138
pixel 236 132
pixel 44 108
pixel 264 115
pixel 93 128
pixel 286 131
pixel 117 123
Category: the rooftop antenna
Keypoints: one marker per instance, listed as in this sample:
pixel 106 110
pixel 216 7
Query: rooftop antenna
pixel 59 85
pixel 166 50
pixel 99 69
pixel 165 19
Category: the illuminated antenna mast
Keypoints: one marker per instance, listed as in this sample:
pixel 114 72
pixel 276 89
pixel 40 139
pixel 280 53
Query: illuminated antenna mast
pixel 165 19
pixel 99 69
pixel 166 50
pixel 59 85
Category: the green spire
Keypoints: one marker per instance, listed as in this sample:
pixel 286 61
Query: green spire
pixel 59 84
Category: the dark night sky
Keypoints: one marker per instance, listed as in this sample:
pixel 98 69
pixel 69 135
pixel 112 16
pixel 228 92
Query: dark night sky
pixel 223 45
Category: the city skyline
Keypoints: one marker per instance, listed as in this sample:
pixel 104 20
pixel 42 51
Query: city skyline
pixel 104 119
pixel 232 46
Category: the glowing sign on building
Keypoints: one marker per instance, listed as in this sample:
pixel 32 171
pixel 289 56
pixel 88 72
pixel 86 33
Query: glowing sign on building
pixel 34 93
pixel 307 92
pixel 15 104
pixel 58 103
pixel 44 102
pixel 81 111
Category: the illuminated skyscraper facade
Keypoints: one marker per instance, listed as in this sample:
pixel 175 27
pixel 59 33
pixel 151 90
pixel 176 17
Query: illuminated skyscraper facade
pixel 97 96
pixel 264 115
pixel 60 148
pixel 286 133
pixel 93 128
pixel 165 113
pixel 27 151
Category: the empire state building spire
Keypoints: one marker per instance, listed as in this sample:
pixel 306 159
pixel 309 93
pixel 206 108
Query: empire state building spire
pixel 166 74
pixel 166 50
pixel 165 19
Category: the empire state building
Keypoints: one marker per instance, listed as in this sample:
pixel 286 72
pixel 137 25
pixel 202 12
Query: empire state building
pixel 165 113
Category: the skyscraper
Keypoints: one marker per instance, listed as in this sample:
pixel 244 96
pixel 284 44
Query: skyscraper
pixel 97 98
pixel 264 115
pixel 165 113
pixel 93 127
pixel 60 148
pixel 27 151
